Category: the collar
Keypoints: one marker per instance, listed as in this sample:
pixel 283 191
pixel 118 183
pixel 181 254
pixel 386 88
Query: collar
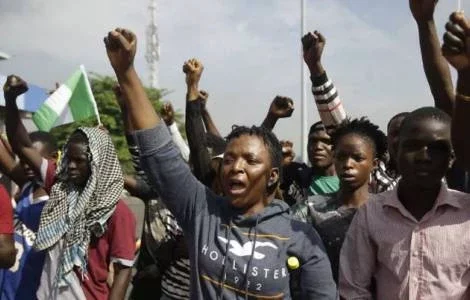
pixel 445 197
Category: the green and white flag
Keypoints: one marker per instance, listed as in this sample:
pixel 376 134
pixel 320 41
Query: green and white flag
pixel 72 101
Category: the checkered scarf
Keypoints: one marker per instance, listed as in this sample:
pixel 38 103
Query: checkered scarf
pixel 73 215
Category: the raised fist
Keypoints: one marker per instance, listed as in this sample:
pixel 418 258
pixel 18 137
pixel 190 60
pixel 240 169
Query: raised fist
pixel 203 95
pixel 456 47
pixel 423 10
pixel 313 45
pixel 14 86
pixel 121 46
pixel 193 69
pixel 288 154
pixel 167 113
pixel 281 107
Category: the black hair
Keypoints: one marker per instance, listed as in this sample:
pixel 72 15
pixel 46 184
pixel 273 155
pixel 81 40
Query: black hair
pixel 400 115
pixel 78 137
pixel 364 128
pixel 45 138
pixel 425 113
pixel 269 139
pixel 318 126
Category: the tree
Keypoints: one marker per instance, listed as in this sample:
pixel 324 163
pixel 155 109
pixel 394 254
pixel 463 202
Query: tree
pixel 110 115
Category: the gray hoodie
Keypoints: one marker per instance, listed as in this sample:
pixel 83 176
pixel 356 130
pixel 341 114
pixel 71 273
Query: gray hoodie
pixel 232 256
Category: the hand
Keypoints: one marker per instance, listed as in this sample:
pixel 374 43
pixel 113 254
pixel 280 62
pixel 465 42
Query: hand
pixel 50 92
pixel 288 154
pixel 313 45
pixel 456 47
pixel 167 113
pixel 281 107
pixel 203 95
pixel 103 128
pixel 14 86
pixel 121 46
pixel 423 10
pixel 193 69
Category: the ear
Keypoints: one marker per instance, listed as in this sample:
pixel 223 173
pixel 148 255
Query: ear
pixel 375 163
pixel 273 177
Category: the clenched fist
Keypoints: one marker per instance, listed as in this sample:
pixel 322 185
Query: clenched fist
pixel 121 46
pixel 281 107
pixel 167 113
pixel 14 86
pixel 456 47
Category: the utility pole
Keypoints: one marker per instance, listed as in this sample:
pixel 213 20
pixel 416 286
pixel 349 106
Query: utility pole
pixel 152 55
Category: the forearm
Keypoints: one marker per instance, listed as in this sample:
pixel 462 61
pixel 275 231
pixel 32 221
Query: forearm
pixel 327 100
pixel 436 67
pixel 197 141
pixel 179 141
pixel 269 122
pixel 122 277
pixel 141 112
pixel 16 132
pixel 209 123
pixel 19 138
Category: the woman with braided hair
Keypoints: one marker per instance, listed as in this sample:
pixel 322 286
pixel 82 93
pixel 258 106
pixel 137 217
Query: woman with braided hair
pixel 357 146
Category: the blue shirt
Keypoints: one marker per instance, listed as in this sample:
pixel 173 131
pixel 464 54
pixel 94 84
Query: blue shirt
pixel 22 280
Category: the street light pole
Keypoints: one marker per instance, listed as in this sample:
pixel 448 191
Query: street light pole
pixel 303 94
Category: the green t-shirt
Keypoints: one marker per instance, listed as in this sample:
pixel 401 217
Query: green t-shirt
pixel 322 185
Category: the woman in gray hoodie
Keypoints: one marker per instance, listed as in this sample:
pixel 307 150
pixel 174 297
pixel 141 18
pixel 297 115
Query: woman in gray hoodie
pixel 239 245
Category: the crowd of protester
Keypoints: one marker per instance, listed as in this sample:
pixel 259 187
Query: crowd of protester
pixel 373 215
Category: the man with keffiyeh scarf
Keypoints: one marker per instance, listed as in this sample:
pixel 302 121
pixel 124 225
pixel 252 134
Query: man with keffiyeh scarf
pixel 79 224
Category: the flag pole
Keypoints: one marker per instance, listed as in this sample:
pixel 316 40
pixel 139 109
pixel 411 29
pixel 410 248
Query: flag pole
pixel 303 94
pixel 459 5
pixel 95 107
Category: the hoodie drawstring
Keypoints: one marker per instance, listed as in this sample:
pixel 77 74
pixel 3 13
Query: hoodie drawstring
pixel 251 258
pixel 224 270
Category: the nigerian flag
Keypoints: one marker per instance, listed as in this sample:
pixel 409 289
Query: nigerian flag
pixel 72 101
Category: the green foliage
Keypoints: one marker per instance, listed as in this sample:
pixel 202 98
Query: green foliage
pixel 111 117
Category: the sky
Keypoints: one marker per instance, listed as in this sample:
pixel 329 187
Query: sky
pixel 250 49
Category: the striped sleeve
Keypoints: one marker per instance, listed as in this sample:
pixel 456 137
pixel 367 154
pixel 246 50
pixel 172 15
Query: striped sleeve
pixel 328 103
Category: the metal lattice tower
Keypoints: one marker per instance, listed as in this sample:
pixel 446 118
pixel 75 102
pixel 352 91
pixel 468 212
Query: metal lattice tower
pixel 152 56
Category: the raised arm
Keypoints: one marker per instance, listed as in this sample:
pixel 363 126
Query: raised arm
pixel 195 132
pixel 435 65
pixel 16 132
pixel 281 107
pixel 207 118
pixel 168 115
pixel 166 171
pixel 456 49
pixel 328 103
pixel 9 166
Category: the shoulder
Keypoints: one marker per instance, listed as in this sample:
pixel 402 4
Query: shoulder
pixel 122 212
pixel 322 202
pixel 463 199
